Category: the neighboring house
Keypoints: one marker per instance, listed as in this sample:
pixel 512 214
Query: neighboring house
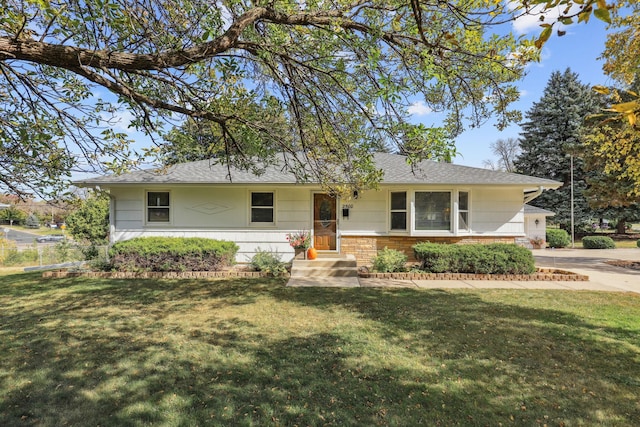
pixel 535 222
pixel 438 202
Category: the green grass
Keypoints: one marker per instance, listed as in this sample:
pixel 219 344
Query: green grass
pixel 253 352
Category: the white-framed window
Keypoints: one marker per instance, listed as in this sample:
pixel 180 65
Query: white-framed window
pixel 262 207
pixel 432 211
pixel 398 211
pixel 158 207
pixel 463 211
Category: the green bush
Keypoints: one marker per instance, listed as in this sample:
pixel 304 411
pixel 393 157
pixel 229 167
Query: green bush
pixel 557 238
pixel 638 243
pixel 389 261
pixel 497 258
pixel 172 254
pixel 13 257
pixel 268 262
pixel 32 221
pixel 598 242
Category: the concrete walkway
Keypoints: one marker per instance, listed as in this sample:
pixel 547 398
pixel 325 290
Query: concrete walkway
pixel 591 262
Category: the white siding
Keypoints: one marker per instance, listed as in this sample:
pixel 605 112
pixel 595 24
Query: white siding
pixel 367 217
pixel 222 212
pixel 129 208
pixel 217 213
pixel 534 231
pixel 497 212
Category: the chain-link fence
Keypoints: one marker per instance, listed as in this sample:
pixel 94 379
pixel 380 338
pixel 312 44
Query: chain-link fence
pixel 39 254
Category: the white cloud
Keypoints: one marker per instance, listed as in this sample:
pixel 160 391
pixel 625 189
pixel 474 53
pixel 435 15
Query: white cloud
pixel 530 22
pixel 419 108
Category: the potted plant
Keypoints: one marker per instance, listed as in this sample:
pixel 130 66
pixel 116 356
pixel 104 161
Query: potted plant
pixel 300 241
pixel 537 242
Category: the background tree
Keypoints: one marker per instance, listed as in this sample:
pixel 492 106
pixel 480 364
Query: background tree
pixel 622 55
pixel 507 151
pixel 341 74
pixel 12 215
pixel 611 153
pixel 32 221
pixel 613 147
pixel 89 219
pixel 550 136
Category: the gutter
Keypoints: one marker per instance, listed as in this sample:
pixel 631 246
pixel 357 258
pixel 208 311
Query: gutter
pixel 532 195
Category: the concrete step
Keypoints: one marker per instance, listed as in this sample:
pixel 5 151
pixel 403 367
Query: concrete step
pixel 337 266
pixel 324 272
pixel 325 263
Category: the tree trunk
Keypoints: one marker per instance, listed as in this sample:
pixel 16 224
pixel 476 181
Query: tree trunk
pixel 621 226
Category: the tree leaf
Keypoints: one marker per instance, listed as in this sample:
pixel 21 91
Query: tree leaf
pixel 544 36
pixel 603 15
pixel 601 89
pixel 625 107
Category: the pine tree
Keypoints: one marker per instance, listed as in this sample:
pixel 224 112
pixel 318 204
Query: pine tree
pixel 551 137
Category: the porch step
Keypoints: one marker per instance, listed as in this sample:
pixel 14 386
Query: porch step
pixel 325 266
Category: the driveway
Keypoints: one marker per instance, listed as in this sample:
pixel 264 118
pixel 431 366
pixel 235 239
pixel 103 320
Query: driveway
pixel 592 262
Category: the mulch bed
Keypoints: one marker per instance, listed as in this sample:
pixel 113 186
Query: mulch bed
pixel 633 265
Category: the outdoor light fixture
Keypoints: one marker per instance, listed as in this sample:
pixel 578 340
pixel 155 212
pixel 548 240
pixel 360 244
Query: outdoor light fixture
pixel 537 222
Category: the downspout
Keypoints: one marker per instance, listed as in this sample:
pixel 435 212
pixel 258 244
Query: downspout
pixel 529 197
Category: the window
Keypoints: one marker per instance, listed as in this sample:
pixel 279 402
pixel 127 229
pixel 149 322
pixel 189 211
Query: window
pixel 463 210
pixel 158 207
pixel 262 207
pixel 433 210
pixel 399 210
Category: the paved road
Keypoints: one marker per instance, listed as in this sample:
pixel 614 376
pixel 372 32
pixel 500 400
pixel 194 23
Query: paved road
pixel 20 237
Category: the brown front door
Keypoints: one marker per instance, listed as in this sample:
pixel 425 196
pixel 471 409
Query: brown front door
pixel 324 222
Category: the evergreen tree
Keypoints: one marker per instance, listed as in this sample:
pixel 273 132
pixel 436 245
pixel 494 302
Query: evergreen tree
pixel 32 221
pixel 551 137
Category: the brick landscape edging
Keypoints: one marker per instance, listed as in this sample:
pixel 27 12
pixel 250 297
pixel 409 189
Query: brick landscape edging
pixel 153 274
pixel 543 274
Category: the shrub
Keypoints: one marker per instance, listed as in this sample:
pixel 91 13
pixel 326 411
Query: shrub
pixel 389 261
pixel 638 243
pixel 172 254
pixel 598 242
pixel 13 257
pixel 557 238
pixel 32 221
pixel 497 258
pixel 268 262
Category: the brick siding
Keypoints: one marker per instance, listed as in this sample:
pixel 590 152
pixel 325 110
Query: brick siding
pixel 364 248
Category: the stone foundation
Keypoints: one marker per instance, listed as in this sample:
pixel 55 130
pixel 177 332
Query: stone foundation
pixel 364 248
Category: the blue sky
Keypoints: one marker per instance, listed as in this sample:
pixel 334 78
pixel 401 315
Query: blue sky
pixel 578 50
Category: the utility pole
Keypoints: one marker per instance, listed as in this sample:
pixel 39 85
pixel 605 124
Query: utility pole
pixel 573 242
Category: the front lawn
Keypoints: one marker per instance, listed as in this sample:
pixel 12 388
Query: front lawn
pixel 253 352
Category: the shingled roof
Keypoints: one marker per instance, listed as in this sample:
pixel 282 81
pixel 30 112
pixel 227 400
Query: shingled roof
pixel 395 167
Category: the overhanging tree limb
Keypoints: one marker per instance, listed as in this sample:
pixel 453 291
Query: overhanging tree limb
pixel 333 79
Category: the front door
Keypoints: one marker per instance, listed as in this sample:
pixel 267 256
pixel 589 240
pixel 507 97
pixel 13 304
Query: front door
pixel 324 222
